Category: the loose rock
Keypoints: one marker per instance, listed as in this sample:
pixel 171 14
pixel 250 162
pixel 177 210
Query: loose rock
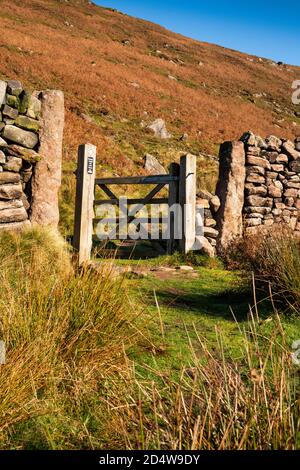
pixel 159 128
pixel 152 165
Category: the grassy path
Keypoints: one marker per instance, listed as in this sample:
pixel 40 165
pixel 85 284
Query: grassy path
pixel 179 309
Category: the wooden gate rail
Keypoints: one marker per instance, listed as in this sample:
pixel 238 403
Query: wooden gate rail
pixel 181 181
pixel 115 202
pixel 157 179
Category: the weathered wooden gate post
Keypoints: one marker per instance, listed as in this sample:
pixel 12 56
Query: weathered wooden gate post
pixel 187 199
pixel 84 207
pixel 174 170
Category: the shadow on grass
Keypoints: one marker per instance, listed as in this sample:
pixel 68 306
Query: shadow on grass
pixel 129 250
pixel 220 304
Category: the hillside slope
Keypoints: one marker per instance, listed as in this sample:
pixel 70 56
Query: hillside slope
pixel 120 73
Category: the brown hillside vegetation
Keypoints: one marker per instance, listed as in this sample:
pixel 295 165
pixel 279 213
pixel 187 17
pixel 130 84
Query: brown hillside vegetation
pixel 123 72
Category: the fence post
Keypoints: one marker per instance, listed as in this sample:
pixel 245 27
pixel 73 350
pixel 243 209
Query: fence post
pixel 187 199
pixel 84 206
pixel 174 170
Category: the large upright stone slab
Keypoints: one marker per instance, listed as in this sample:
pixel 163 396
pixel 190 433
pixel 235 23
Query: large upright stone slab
pixel 230 190
pixel 47 177
pixel 3 87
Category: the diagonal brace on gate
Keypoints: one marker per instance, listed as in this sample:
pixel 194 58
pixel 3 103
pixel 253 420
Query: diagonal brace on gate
pixel 144 201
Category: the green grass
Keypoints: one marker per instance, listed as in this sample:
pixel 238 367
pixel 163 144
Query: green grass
pixel 61 331
pixel 181 307
pixel 185 305
pixel 195 321
pixel 95 361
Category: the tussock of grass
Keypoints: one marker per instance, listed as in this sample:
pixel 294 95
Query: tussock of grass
pixel 65 335
pixel 69 384
pixel 275 260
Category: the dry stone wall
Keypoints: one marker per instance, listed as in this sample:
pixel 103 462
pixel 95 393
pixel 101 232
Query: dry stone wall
pixel 258 186
pixel 19 139
pixel 24 134
pixel 207 207
pixel 272 186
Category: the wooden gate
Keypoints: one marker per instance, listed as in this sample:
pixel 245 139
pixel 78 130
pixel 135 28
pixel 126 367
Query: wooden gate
pixel 181 184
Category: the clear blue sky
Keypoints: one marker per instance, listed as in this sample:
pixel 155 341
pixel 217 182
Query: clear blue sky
pixel 265 28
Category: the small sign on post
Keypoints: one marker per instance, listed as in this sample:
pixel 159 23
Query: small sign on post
pixel 84 207
pixel 90 165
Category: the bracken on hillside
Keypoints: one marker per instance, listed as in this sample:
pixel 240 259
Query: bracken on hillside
pixel 115 68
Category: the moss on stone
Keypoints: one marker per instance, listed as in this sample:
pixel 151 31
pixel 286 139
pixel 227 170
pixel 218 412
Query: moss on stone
pixel 27 123
pixel 13 101
pixel 26 154
pixel 34 107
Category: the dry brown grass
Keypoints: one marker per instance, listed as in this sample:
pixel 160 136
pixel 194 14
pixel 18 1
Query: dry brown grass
pixel 275 261
pixel 69 383
pixel 66 336
pixel 220 404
